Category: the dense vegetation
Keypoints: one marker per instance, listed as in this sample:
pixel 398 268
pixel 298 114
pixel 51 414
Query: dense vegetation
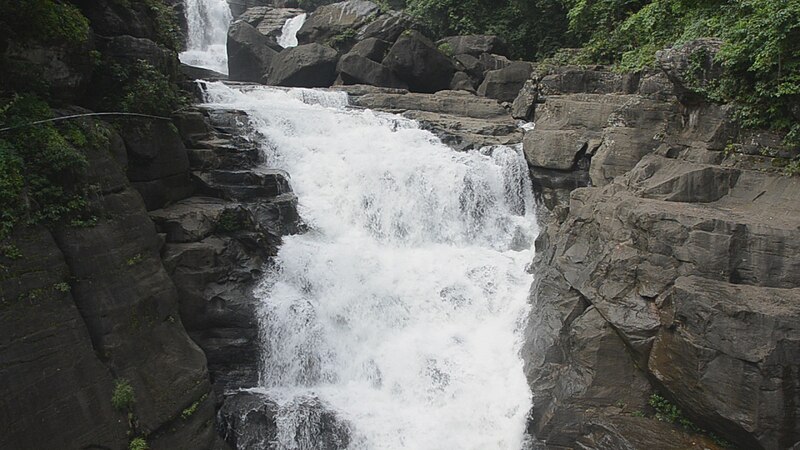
pixel 42 166
pixel 760 55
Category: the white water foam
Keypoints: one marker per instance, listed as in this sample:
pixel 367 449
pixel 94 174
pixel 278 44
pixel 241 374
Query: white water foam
pixel 403 308
pixel 208 22
pixel 288 37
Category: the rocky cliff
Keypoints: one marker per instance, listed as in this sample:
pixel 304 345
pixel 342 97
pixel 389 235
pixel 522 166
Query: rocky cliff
pixel 670 287
pixel 117 327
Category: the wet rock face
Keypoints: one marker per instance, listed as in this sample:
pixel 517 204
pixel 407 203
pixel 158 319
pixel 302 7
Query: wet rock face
pixel 218 241
pixel 250 420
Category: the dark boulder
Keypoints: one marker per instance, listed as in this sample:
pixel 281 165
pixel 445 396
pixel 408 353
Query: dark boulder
pixel 247 420
pixel 418 62
pixel 128 51
pixel 158 164
pixel 310 65
pixel 371 48
pixel 462 82
pixel 504 84
pixel 250 53
pixel 330 21
pixel 386 27
pixel 355 69
pixel 475 45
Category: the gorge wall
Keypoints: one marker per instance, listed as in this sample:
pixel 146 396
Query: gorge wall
pixel 667 268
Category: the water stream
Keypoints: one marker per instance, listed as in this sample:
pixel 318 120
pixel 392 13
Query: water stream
pixel 288 37
pixel 208 22
pixel 401 312
pixel 403 308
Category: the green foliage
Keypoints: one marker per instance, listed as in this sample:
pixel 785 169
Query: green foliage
pixel 189 412
pixel 136 259
pixel 42 21
pixel 41 167
pixel 123 398
pixel 138 443
pixel 141 88
pixel 667 412
pixel 229 221
pixel 760 55
pixel 446 48
pixel 168 32
pixel 342 39
pixel 532 28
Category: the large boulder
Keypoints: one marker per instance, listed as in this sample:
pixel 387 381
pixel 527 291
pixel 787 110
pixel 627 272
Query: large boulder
pixel 309 65
pixel 355 69
pixel 269 21
pixel 419 62
pixel 475 45
pixel 250 53
pixel 371 48
pixel 691 67
pixel 329 21
pixel 387 26
pixel 504 84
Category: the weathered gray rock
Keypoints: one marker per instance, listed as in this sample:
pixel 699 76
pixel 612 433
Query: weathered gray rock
pixel 331 20
pixel 504 84
pixel 310 65
pixel 691 265
pixel 250 53
pixel 355 69
pixel 461 119
pixel 525 103
pixel 462 82
pixel 475 45
pixel 454 103
pixel 269 21
pixel 716 335
pixel 690 67
pixel 417 61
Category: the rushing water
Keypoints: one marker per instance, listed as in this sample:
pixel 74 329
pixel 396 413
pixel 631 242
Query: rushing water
pixel 403 307
pixel 288 37
pixel 208 22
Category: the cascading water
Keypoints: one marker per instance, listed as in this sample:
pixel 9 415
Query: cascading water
pixel 402 308
pixel 208 22
pixel 288 37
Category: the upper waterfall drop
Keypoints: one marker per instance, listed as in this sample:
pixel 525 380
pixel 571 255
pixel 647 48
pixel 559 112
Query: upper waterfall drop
pixel 208 22
pixel 403 308
pixel 288 37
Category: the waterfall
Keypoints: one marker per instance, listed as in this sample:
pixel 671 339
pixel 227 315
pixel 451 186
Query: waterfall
pixel 403 307
pixel 288 37
pixel 208 22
